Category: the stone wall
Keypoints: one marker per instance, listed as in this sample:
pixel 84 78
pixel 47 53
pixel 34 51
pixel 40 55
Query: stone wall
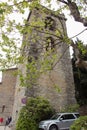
pixel 7 90
pixel 61 75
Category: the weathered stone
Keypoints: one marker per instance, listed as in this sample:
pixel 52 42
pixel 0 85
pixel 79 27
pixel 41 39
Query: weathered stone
pixel 7 90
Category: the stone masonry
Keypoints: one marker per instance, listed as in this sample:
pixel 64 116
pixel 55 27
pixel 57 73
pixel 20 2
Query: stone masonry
pixel 61 75
pixel 7 90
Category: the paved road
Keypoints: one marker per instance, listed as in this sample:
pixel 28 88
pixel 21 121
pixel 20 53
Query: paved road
pixel 4 128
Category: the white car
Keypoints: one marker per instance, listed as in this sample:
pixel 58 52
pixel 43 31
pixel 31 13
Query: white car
pixel 60 121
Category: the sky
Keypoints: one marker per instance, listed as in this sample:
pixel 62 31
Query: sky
pixel 74 28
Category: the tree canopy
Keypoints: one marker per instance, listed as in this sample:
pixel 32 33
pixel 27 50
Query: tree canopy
pixel 12 29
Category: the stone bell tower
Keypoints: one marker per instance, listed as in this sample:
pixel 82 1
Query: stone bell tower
pixel 57 85
pixel 46 29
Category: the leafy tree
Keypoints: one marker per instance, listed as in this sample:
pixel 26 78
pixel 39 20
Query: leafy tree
pixel 80 74
pixel 36 109
pixel 9 27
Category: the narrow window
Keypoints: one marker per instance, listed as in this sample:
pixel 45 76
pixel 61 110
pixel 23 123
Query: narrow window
pixel 49 23
pixel 50 43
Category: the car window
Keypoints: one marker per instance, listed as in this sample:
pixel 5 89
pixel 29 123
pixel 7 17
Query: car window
pixel 77 115
pixel 55 116
pixel 67 116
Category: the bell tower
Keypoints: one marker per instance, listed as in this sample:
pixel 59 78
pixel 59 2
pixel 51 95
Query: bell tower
pixel 48 54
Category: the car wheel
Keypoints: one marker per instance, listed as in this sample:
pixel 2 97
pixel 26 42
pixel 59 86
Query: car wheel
pixel 53 127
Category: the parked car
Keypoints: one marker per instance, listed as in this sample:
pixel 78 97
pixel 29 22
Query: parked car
pixel 59 121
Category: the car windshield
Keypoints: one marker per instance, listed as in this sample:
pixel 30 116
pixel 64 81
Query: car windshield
pixel 77 115
pixel 55 116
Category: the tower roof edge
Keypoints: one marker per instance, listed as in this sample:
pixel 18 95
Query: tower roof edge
pixel 48 11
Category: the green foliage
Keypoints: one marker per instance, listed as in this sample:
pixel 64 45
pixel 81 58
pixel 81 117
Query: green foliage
pixel 80 124
pixel 80 75
pixel 71 108
pixel 25 122
pixel 82 48
pixel 36 109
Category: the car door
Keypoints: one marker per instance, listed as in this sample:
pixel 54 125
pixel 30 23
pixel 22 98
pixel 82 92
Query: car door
pixel 66 121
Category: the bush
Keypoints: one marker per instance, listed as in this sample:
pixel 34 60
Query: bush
pixel 36 109
pixel 80 124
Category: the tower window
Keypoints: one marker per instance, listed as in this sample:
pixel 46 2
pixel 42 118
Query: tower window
pixel 49 23
pixel 50 43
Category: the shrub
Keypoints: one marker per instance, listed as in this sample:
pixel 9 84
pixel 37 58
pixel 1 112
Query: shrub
pixel 36 109
pixel 80 124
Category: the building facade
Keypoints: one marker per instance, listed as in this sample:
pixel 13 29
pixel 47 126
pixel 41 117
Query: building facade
pixel 7 90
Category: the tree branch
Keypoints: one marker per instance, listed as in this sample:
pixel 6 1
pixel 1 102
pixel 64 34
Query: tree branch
pixel 85 1
pixel 75 11
pixel 78 33
pixel 80 63
pixel 63 1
